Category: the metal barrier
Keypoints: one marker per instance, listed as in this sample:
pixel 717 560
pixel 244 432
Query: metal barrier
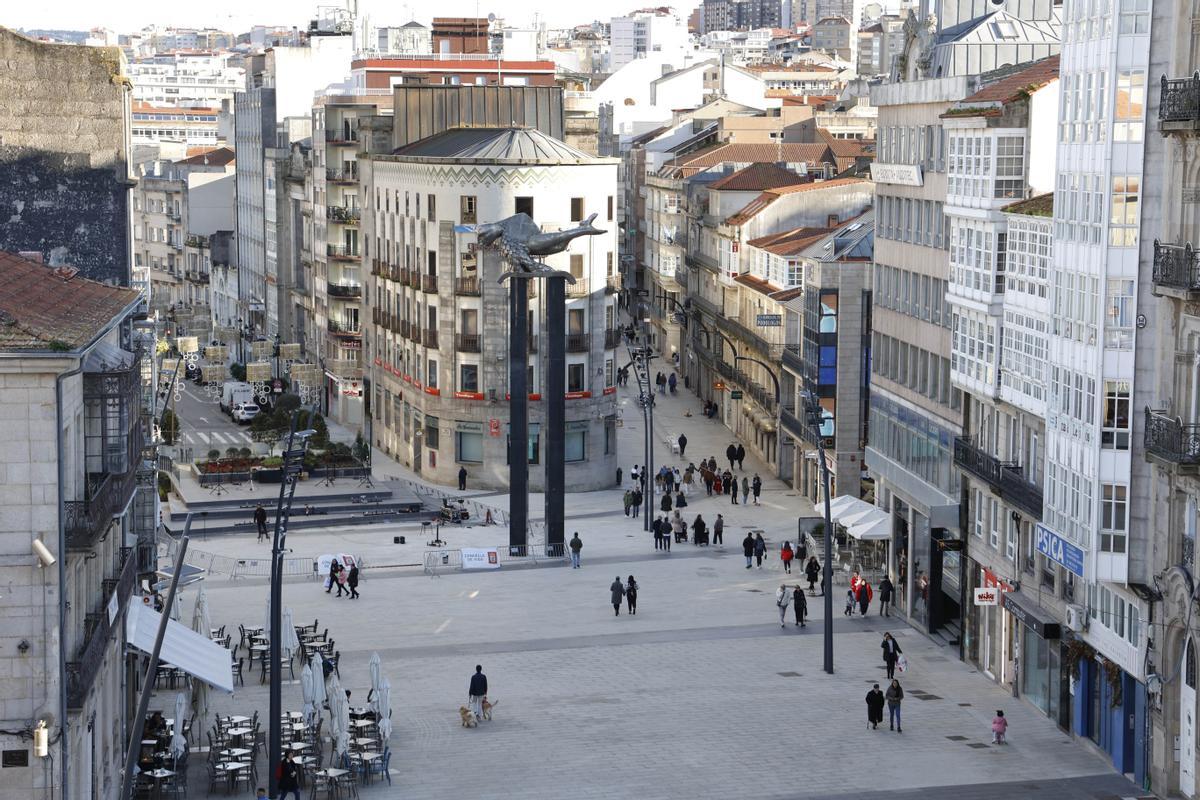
pixel 216 564
pixel 442 560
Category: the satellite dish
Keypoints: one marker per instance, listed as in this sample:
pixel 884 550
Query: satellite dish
pixel 491 16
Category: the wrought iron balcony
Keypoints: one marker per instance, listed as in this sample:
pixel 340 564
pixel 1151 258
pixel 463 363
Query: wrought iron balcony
pixel 1171 440
pixel 341 175
pixel 578 342
pixel 793 361
pixel 344 215
pixel 467 342
pixel 1176 268
pixel 341 136
pixel 577 289
pixel 612 338
pixel 1006 479
pixel 341 251
pixel 796 427
pixel 1179 104
pixel 612 283
pixel 429 283
pixel 348 290
pixel 348 368
pixel 430 337
pixel 343 329
pixel 89 659
pixel 468 287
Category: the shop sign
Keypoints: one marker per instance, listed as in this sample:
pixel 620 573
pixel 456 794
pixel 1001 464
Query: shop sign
pixel 987 596
pixel 735 394
pixel 768 320
pixel 898 174
pixel 1059 550
pixel 493 427
pixel 1041 624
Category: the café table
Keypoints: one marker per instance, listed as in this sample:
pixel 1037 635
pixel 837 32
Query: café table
pixel 158 775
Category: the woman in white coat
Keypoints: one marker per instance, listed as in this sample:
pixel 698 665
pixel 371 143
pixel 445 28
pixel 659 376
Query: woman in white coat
pixel 783 598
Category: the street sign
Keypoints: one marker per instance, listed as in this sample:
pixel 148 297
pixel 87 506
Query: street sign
pixel 736 394
pixel 769 320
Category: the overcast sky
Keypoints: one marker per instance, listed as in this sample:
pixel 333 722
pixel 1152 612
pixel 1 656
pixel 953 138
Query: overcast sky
pixel 128 15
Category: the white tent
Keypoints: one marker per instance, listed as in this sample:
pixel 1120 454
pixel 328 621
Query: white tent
pixel 196 655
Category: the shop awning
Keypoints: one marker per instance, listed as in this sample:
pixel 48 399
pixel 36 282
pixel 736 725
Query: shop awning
pixel 1032 615
pixel 874 529
pixel 181 647
pixel 847 505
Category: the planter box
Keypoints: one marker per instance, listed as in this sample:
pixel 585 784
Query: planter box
pixel 268 474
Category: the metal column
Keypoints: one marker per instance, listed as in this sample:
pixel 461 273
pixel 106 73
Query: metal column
pixel 518 430
pixel 556 412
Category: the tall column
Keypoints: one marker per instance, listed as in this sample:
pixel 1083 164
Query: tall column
pixel 556 410
pixel 518 411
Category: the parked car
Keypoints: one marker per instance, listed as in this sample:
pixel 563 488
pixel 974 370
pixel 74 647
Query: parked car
pixel 244 412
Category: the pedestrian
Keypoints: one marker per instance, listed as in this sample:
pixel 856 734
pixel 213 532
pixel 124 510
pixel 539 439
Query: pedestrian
pixel 760 549
pixel 731 454
pixel 637 502
pixel 627 500
pixel 718 529
pixel 782 598
pixel 745 488
pixel 875 702
pixel 635 474
pixel 802 549
pixel 709 479
pixel 800 605
pixel 352 581
pixel 682 444
pixel 895 695
pixel 618 592
pixel 886 590
pixel 260 519
pixel 741 456
pixel 999 727
pixel 733 491
pixel 576 546
pixel 288 780
pixel 672 382
pixel 631 591
pixel 727 480
pixel 343 576
pixel 850 599
pixel 689 480
pixel 748 549
pixel 891 654
pixel 666 532
pixel 477 691
pixel 756 487
pixel 462 479
pixel 656 526
pixel 865 595
pixel 811 570
pixel 785 555
pixel 332 579
pixel 700 531
pixel 718 486
pixel 665 504
pixel 680 499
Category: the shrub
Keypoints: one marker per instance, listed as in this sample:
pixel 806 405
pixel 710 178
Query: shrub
pixel 170 427
pixel 232 452
pixel 244 452
pixel 237 371
pixel 361 451
pixel 164 486
pixel 213 455
pixel 320 439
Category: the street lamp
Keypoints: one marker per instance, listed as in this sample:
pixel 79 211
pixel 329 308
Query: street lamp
pixel 813 417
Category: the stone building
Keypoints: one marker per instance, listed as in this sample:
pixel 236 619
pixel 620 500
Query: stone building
pixel 64 155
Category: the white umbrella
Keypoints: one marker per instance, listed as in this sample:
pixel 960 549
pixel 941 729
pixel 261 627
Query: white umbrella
pixel 319 693
pixel 342 743
pixel 306 689
pixel 289 642
pixel 177 607
pixel 384 701
pixel 373 666
pixel 201 620
pixel 178 743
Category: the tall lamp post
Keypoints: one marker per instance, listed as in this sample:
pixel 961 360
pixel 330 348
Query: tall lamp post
pixel 639 359
pixel 812 416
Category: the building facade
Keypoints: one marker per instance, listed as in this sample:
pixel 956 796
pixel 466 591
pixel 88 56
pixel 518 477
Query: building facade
pixel 186 79
pixel 658 30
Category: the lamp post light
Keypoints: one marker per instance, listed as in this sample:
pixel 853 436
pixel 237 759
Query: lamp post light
pixel 812 416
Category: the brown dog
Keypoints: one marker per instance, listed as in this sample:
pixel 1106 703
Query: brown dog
pixel 469 720
pixel 487 708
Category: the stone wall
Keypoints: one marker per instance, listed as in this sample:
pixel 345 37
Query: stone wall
pixel 64 149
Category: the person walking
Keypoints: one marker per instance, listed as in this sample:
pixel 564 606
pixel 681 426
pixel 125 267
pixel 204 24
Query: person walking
pixel 680 498
pixel 741 456
pixel 999 727
pixel 731 454
pixel 756 487
pixel 875 702
pixel 718 530
pixel 745 489
pixel 666 534
pixel 800 605
pixel 782 598
pixel 260 519
pixel 811 570
pixel 865 595
pixel 748 549
pixel 709 478
pixel 802 549
pixel 462 479
pixel 699 531
pixel 895 696
pixel 665 503
pixel 627 500
pixel 477 691
pixel 891 654
pixel 886 591
pixel 785 555
pixel 720 486
pixel 343 576
pixel 672 382
pixel 576 546
pixel 637 502
pixel 733 491
pixel 656 526
pixel 618 592
pixel 352 581
pixel 631 591
pixel 333 573
pixel 288 780
pixel 727 480
pixel 682 444
pixel 760 549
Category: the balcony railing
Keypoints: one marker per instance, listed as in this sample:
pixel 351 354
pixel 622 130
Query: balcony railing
pixel 612 283
pixel 793 360
pixel 429 283
pixel 402 328
pixel 337 136
pixel 344 367
pixel 429 337
pixel 345 215
pixel 578 342
pixel 83 669
pixel 1005 478
pixel 343 329
pixel 1179 103
pixel 1172 440
pixel 342 251
pixel 344 289
pixel 341 175
pixel 467 342
pixel 1176 267
pixel 577 289
pixel 468 287
pixel 796 427
pixel 612 338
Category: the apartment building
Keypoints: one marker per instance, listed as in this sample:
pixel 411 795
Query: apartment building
pixel 159 230
pixel 834 35
pixel 879 43
pixel 193 79
pixel 658 30
pixel 410 39
pixel 435 346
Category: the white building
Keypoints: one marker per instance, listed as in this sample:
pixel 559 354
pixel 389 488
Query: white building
pixel 642 33
pixel 185 80
pixel 411 38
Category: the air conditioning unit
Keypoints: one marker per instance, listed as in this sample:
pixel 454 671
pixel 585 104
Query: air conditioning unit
pixel 1077 618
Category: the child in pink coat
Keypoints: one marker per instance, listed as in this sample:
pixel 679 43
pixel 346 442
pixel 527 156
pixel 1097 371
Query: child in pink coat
pixel 999 727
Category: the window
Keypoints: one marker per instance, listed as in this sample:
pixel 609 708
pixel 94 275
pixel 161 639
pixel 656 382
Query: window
pixel 524 205
pixel 466 208
pixel 1129 105
pixel 1124 216
pixel 1118 323
pixel 610 207
pixel 468 447
pixel 431 205
pixel 1113 517
pixel 431 373
pixel 1114 434
pixel 576 209
pixel 432 438
pixel 468 378
pixel 576 378
pixel 575 445
pixel 1135 16
pixel 1010 167
pixel 576 266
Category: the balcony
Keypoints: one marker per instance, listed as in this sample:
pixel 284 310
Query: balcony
pixel 343 215
pixel 467 342
pixel 413 279
pixel 341 136
pixel 402 329
pixel 735 328
pixel 83 669
pixel 467 287
pixel 796 428
pixel 578 342
pixel 1005 478
pixel 340 252
pixel 344 329
pixel 612 284
pixel 344 290
pixel 612 338
pixel 1176 270
pixel 429 283
pixel 1171 441
pixel 346 368
pixel 347 176
pixel 429 337
pixel 1179 104
pixel 793 362
pixel 577 289
pixel 681 278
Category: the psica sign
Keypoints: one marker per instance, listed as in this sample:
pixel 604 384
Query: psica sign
pixel 1059 550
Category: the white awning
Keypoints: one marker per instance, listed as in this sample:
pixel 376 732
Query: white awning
pixel 872 530
pixel 184 648
pixel 846 505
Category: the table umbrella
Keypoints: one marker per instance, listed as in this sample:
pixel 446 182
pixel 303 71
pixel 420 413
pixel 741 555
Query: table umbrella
pixel 339 715
pixel 319 693
pixel 178 743
pixel 289 642
pixel 373 666
pixel 306 690
pixel 384 700
pixel 201 620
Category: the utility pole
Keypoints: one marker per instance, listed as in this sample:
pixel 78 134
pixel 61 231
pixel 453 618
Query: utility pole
pixel 812 415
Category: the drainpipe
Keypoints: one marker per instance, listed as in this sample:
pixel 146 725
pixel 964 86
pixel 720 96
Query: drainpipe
pixel 62 572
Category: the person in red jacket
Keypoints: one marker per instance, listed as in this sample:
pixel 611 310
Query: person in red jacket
pixel 864 596
pixel 785 555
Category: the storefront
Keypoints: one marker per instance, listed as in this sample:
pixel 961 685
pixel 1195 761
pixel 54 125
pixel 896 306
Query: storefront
pixel 989 630
pixel 1110 709
pixel 1038 658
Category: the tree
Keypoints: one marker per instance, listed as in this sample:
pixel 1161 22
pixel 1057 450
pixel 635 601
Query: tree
pixel 170 427
pixel 320 439
pixel 214 454
pixel 286 404
pixel 237 371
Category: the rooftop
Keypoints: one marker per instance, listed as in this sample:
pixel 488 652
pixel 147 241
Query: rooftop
pixel 991 99
pixel 1040 206
pixel 788 243
pixel 523 145
pixel 702 160
pixel 756 178
pixel 768 197
pixel 53 308
pixel 218 157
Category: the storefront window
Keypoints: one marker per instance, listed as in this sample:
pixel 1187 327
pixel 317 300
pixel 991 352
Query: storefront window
pixel 1035 669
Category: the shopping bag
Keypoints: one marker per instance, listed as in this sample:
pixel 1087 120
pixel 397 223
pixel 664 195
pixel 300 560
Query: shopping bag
pixel 902 663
